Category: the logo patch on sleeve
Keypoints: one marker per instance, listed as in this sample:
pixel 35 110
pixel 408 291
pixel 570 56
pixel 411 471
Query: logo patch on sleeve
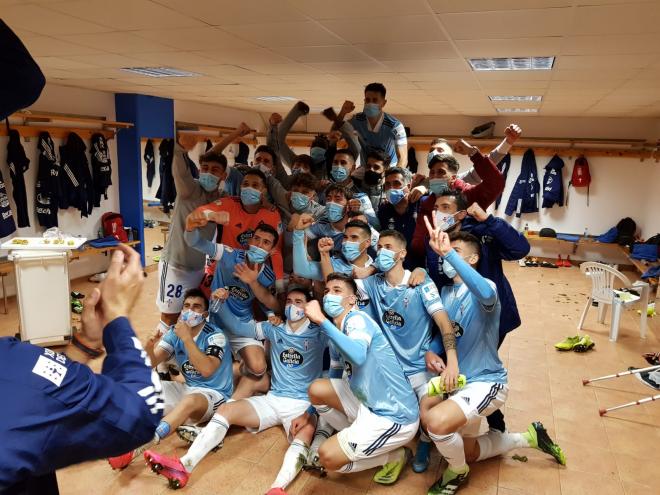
pixel 51 370
pixel 430 292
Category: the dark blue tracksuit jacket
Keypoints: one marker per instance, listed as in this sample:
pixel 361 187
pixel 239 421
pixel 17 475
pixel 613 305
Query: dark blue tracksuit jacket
pixel 57 412
pixel 525 193
pixel 499 241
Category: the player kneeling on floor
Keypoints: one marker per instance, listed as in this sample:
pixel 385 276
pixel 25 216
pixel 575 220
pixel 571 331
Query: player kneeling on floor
pixel 373 406
pixel 198 348
pixel 453 425
pixel 296 355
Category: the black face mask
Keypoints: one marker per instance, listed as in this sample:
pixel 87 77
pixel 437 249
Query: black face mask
pixel 372 178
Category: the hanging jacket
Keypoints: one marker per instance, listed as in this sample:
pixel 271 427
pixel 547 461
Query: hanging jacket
pixel 75 180
pixel 412 160
pixel 553 183
pixel 101 168
pixel 209 145
pixel 150 161
pixel 47 186
pixel 525 195
pixel 18 164
pixel 166 190
pixel 243 154
pixel 503 166
pixel 7 224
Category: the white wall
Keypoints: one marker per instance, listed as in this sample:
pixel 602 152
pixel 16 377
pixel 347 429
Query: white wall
pixel 76 101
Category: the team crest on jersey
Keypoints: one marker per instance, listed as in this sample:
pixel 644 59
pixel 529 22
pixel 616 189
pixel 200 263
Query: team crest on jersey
pixel 190 370
pixel 291 358
pixel 306 344
pixel 239 293
pixel 244 237
pixel 393 319
pixel 458 329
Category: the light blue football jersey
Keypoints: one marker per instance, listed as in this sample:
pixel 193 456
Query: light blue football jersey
pixel 211 341
pixel 296 358
pixel 380 383
pixel 477 334
pixel 387 137
pixel 405 315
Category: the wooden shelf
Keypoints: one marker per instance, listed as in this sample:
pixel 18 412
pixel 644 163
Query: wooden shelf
pixel 28 131
pixel 53 117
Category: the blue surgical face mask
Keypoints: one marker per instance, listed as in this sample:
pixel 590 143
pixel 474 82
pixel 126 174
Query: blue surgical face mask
pixel 250 196
pixel 371 110
pixel 438 186
pixel 299 201
pixel 335 211
pixel 317 153
pixel 332 305
pixel 395 196
pixel 385 260
pixel 448 270
pixel 209 182
pixel 339 173
pixel 191 318
pixel 293 312
pixel 256 255
pixel 351 250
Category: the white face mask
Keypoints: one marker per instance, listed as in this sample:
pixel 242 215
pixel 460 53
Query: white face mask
pixel 293 313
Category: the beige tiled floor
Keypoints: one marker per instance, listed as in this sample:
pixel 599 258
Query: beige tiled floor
pixel 616 454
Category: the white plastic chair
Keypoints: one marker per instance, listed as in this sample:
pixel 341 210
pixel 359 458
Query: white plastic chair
pixel 603 292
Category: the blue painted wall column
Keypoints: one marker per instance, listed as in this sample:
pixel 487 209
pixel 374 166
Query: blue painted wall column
pixel 153 117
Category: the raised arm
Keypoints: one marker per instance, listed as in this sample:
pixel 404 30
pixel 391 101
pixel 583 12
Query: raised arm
pixel 184 182
pixel 302 265
pixel 478 285
pixel 242 130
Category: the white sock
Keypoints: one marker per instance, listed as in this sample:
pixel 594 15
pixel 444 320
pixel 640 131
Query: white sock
pixel 451 447
pixel 495 443
pixel 333 417
pixel 323 431
pixel 371 462
pixel 294 458
pixel 212 434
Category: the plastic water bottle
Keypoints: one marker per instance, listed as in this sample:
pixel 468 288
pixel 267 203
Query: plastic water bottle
pixel 526 230
pixel 586 233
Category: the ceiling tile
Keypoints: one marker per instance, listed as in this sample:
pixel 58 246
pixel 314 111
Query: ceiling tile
pixel 207 38
pixel 592 74
pixel 248 56
pixel 518 47
pixel 46 22
pixel 106 60
pixel 125 15
pixel 230 12
pixel 123 43
pixel 61 63
pixel 519 87
pixel 318 54
pixel 387 29
pixel 269 34
pixel 173 59
pixel 362 9
pixel 585 62
pixel 349 67
pixel 433 65
pixel 506 24
pixel 611 44
pixel 439 76
pixel 445 6
pixel 409 51
pixel 44 46
pixel 447 84
pixel 279 69
pixel 625 18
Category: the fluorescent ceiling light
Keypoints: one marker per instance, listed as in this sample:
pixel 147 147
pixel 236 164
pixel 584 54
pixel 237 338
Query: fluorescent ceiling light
pixel 517 110
pixel 159 72
pixel 516 98
pixel 512 63
pixel 272 99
